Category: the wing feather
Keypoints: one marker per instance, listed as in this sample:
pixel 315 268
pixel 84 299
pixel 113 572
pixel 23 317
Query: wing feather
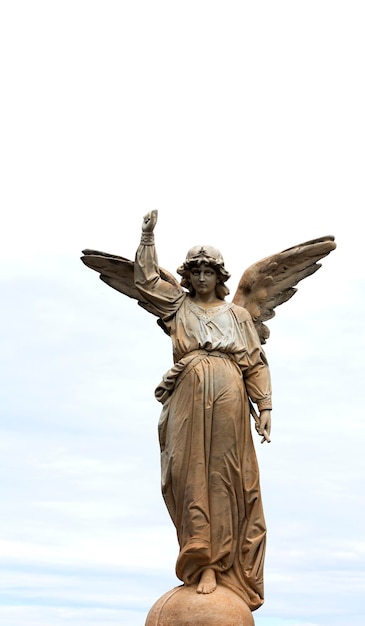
pixel 271 281
pixel 118 273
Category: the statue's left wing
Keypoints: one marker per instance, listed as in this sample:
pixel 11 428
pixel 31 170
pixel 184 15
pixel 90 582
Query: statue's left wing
pixel 271 281
pixel 118 272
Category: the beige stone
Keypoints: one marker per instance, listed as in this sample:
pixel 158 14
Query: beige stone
pixel 210 475
pixel 183 606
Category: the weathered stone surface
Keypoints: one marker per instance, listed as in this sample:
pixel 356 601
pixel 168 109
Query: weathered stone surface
pixel 210 475
pixel 183 606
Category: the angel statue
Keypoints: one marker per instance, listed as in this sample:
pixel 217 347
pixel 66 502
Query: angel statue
pixel 210 476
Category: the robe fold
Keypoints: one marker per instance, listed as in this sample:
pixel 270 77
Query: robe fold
pixel 210 476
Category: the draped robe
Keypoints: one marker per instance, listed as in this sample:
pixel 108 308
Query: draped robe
pixel 210 476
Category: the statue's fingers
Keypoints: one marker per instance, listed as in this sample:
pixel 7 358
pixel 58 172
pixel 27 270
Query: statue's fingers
pixel 266 436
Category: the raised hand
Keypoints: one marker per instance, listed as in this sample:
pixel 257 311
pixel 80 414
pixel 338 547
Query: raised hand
pixel 149 221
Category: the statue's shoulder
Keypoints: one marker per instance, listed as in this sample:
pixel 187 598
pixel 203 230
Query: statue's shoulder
pixel 240 313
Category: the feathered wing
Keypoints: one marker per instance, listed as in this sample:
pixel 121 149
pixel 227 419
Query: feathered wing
pixel 271 281
pixel 118 272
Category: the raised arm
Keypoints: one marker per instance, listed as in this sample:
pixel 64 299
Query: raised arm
pixel 165 296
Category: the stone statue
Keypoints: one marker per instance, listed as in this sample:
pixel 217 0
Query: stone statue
pixel 210 476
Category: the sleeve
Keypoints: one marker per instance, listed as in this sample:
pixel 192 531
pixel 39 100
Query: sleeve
pixel 255 368
pixel 164 296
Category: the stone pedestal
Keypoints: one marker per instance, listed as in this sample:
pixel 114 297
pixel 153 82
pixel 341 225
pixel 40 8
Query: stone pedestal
pixel 183 606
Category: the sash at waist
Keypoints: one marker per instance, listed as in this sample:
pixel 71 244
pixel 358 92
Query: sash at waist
pixel 202 352
pixel 181 368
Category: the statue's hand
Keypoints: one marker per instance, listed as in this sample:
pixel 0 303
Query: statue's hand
pixel 149 222
pixel 264 428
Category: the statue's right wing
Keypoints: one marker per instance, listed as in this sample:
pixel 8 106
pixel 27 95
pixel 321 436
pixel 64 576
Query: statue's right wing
pixel 118 272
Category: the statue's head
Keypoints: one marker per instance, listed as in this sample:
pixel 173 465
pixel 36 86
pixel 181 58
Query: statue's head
pixel 209 256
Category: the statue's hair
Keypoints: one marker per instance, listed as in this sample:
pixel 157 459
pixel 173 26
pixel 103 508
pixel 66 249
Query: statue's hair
pixel 209 256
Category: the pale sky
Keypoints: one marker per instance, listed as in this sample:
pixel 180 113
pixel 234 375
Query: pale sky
pixel 243 124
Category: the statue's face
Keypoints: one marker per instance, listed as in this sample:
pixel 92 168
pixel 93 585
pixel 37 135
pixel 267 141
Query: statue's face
pixel 203 279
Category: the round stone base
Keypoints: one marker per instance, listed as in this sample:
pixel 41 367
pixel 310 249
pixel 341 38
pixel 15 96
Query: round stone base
pixel 183 606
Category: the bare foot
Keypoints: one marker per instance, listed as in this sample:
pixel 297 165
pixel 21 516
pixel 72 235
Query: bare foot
pixel 207 582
